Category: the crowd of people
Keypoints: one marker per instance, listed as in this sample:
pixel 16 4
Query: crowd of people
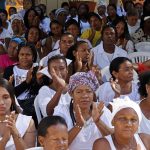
pixel 57 63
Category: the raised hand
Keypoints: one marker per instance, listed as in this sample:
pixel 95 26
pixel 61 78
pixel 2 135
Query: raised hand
pixel 116 87
pixel 97 111
pixel 11 78
pixel 78 62
pixel 78 115
pixel 90 59
pixel 29 75
pixel 57 79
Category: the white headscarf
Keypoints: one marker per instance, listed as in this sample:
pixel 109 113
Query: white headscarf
pixel 121 103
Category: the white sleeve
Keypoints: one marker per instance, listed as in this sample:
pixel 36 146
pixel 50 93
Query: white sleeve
pixel 130 47
pixel 44 96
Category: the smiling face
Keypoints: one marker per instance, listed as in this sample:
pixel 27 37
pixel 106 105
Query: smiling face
pixel 5 101
pixel 56 29
pixel 95 23
pixel 126 123
pixel 83 96
pixel 56 138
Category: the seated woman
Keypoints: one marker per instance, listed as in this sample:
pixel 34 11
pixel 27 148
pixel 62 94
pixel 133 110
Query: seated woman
pixel 22 76
pixel 17 131
pixel 53 94
pixel 52 134
pixel 126 118
pixel 121 84
pixel 84 118
pixel 144 88
pixel 123 37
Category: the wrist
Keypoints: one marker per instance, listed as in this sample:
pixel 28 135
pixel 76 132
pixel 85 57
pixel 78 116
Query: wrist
pixel 16 135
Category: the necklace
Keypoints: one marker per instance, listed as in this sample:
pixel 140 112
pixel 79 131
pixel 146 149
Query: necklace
pixel 124 147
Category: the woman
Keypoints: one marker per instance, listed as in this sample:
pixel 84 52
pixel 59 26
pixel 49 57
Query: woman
pixel 56 32
pixel 17 131
pixel 55 92
pixel 83 11
pixel 144 88
pixel 121 70
pixel 123 37
pixel 22 76
pixel 93 34
pixel 84 118
pixel 112 17
pixel 126 118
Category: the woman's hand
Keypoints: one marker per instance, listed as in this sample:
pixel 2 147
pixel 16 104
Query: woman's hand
pixel 29 75
pixel 116 87
pixel 57 79
pixel 11 79
pixel 90 59
pixel 95 69
pixel 11 124
pixel 97 111
pixel 78 62
pixel 78 115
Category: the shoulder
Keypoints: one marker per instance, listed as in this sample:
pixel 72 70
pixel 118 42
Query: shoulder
pixel 145 139
pixel 101 143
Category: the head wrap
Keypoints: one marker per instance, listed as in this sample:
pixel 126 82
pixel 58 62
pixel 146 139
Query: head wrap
pixel 121 103
pixel 16 17
pixel 18 40
pixel 102 2
pixel 60 10
pixel 83 78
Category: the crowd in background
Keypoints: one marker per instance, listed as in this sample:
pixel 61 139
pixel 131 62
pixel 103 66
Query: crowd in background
pixel 66 81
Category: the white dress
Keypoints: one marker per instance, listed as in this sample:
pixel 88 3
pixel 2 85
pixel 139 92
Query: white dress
pixel 88 134
pixel 144 125
pixel 106 93
pixel 22 124
pixel 137 138
pixel 46 94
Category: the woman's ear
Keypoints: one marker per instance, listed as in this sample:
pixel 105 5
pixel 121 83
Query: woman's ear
pixel 112 122
pixel 41 140
pixel 115 74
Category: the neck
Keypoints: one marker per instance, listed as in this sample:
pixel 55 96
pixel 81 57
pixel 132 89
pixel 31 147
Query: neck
pixel 126 87
pixel 146 101
pixel 109 48
pixel 123 142
pixel 25 67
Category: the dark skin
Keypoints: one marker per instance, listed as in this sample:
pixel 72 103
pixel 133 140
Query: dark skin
pixel 109 40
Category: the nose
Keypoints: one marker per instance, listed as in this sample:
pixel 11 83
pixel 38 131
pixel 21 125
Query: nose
pixel 1 101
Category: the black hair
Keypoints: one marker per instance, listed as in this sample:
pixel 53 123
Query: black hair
pixel 26 22
pixel 112 5
pixel 144 78
pixel 5 84
pixel 72 22
pixel 27 32
pixel 93 14
pixel 56 57
pixel 74 48
pixel 64 4
pixel 115 64
pixel 42 13
pixel 48 122
pixel 4 11
pixel 132 12
pixel 0 22
pixel 126 3
pixel 13 8
pixel 126 31
pixel 109 26
pixel 32 47
pixel 86 6
pixel 145 12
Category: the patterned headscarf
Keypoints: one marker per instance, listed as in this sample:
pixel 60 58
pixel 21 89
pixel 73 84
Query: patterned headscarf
pixel 83 78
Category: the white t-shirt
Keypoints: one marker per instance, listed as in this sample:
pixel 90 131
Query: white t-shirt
pixel 20 76
pixel 4 35
pixel 46 94
pixel 88 134
pixel 106 94
pixel 132 29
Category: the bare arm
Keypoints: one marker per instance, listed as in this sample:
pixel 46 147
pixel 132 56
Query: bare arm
pixel 53 102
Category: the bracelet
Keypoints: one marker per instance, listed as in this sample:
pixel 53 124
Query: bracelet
pixel 77 126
